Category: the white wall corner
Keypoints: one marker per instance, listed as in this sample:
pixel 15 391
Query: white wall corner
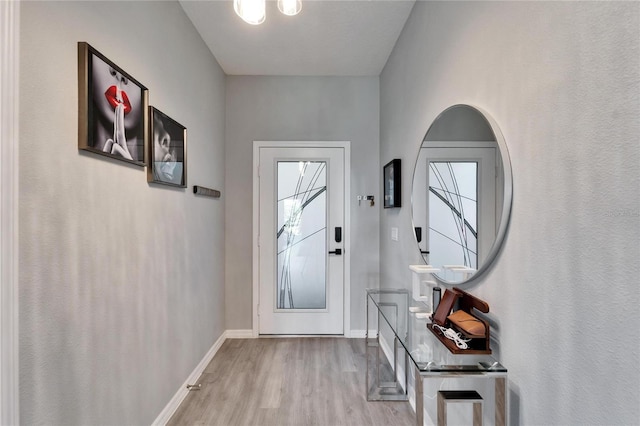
pixel 239 334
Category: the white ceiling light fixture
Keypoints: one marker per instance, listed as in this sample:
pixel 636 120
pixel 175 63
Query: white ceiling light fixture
pixel 290 7
pixel 253 11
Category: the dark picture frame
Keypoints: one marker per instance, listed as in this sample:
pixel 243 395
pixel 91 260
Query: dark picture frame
pixel 112 109
pixel 167 150
pixel 392 184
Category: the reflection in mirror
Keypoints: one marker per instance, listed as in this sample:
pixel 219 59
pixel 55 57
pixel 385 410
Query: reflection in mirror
pixel 461 194
pixel 453 210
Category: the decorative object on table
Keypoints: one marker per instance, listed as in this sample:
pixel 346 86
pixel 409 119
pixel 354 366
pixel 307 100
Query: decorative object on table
pixel 454 336
pixel 392 184
pixel 445 306
pixel 168 150
pixel 421 291
pixel 464 325
pixel 469 325
pixel 437 295
pixel 112 108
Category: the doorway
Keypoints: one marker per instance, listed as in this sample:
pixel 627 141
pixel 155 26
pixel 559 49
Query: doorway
pixel 300 249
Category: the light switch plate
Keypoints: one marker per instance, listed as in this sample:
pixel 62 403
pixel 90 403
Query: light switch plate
pixel 394 234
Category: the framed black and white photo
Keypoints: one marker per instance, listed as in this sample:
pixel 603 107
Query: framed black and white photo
pixel 392 184
pixel 112 108
pixel 168 150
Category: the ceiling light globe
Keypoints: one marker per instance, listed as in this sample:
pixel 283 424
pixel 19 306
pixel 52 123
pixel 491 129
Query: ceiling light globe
pixel 290 7
pixel 251 11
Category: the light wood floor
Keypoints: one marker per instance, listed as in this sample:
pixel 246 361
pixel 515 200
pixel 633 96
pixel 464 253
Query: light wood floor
pixel 288 381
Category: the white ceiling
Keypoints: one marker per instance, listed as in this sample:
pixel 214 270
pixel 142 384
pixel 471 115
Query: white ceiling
pixel 329 38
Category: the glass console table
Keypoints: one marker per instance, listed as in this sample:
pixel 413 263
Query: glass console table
pixel 399 344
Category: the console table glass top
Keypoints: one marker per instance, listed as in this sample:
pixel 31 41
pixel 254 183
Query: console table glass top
pixel 428 354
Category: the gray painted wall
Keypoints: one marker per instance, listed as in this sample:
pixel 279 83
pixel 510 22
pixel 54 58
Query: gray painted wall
pixel 300 109
pixel 562 81
pixel 114 318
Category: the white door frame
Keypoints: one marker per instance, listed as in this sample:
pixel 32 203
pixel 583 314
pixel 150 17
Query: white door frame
pixel 9 114
pixel 347 221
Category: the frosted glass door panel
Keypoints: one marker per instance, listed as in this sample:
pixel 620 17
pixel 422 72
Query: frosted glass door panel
pixel 301 235
pixel 453 213
pixel 300 200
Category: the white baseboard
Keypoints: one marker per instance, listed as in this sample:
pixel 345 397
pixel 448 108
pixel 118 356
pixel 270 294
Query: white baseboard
pixel 357 334
pixel 239 334
pixel 361 334
pixel 168 411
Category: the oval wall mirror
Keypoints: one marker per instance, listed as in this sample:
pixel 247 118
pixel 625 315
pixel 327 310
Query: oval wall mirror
pixel 461 195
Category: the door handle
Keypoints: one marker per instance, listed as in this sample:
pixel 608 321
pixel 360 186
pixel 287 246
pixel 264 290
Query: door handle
pixel 337 252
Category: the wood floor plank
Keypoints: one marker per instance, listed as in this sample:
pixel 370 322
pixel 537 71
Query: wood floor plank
pixel 272 374
pixel 288 381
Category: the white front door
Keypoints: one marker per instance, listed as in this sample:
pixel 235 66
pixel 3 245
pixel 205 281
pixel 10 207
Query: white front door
pixel 301 240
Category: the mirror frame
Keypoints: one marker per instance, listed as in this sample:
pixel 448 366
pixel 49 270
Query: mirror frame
pixel 505 213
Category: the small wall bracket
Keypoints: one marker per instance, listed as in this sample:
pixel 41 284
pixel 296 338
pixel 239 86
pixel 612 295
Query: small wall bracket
pixel 369 198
